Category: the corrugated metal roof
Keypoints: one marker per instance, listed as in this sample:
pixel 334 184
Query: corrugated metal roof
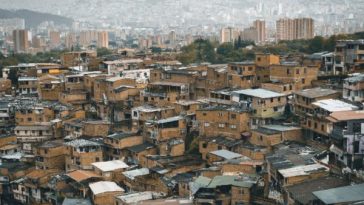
pixel 136 172
pixel 68 201
pixel 81 175
pixel 226 154
pixel 201 181
pixel 81 143
pixel 302 170
pixel 110 165
pixel 333 105
pixel 344 194
pixel 105 186
pixel 171 119
pixel 133 198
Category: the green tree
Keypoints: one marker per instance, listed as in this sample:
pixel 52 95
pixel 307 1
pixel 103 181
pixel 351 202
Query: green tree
pixel 103 52
pixel 156 50
pixel 316 44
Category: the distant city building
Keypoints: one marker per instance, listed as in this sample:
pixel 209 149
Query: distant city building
pixel 70 40
pixel 249 34
pixel 172 37
pixel 292 29
pixel 259 25
pixel 20 39
pixel 228 35
pixel 102 39
pixel 54 38
pixel 38 42
pixel 88 37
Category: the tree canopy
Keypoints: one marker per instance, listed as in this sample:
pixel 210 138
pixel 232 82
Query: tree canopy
pixel 206 51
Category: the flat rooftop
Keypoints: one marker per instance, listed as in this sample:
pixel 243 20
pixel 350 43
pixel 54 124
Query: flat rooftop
pixel 266 131
pixel 220 140
pixel 148 108
pixel 290 154
pixel 122 135
pixel 259 93
pixel 316 92
pixel 355 79
pixel 333 105
pixel 168 84
pixel 82 143
pixel 281 128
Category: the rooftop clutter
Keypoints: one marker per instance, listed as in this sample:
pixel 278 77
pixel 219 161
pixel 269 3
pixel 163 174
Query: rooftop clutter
pixel 138 131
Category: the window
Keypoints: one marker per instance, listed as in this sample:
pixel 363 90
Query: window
pixel 309 123
pixel 322 128
pixel 207 124
pixel 204 145
pixel 204 114
pixel 219 147
pixel 271 100
pixel 97 159
pixel 275 109
pixel 135 114
pixel 29 119
pixel 298 71
pixel 230 77
pixel 315 125
pixel 261 138
pixel 233 116
pixel 356 127
pixel 220 114
pixel 288 72
pixel 258 59
pixel 303 81
pixel 279 98
pixel 233 126
pixel 241 191
pixel 221 125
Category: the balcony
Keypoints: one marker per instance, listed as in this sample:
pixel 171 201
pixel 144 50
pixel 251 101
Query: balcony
pixel 39 159
pixel 339 133
pixel 153 94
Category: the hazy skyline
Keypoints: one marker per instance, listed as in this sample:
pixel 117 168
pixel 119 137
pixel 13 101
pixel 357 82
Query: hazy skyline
pixel 187 12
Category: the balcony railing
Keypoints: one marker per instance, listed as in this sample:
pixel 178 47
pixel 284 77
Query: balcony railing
pixel 153 94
